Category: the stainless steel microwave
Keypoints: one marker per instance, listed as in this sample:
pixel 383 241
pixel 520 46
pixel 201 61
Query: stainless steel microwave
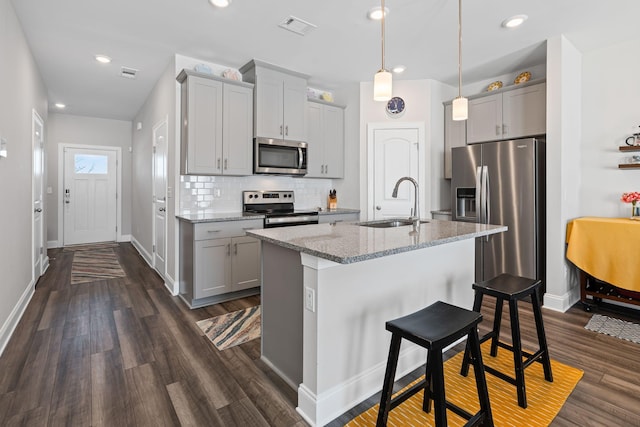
pixel 279 157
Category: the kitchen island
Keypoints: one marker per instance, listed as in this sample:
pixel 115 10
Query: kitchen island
pixel 328 290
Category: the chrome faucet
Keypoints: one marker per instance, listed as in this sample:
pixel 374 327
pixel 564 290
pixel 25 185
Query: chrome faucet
pixel 415 213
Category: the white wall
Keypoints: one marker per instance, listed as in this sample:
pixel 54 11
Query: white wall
pixel 348 188
pixel 564 146
pixel 610 113
pixel 21 89
pixel 160 104
pixel 80 130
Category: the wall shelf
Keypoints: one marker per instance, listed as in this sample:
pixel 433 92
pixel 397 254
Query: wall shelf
pixel 627 149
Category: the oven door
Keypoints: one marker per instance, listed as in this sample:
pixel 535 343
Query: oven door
pixel 274 221
pixel 277 157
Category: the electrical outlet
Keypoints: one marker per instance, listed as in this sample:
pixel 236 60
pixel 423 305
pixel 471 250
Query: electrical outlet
pixel 310 299
pixel 217 193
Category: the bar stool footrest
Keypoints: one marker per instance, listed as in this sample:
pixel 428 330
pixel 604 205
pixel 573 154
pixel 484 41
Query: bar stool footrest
pixel 399 399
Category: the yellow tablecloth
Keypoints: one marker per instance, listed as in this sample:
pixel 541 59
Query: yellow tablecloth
pixel 607 249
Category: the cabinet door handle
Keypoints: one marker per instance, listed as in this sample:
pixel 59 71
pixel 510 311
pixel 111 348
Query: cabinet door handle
pixel 235 249
pixel 505 129
pixel 218 163
pixel 326 168
pixel 226 164
pixel 286 130
pixel 280 129
pixel 228 249
pixel 498 130
pixel 213 231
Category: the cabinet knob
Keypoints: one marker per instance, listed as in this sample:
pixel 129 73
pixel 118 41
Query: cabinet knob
pixel 378 208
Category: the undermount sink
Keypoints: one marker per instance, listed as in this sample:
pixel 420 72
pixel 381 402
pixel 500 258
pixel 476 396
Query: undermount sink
pixel 389 223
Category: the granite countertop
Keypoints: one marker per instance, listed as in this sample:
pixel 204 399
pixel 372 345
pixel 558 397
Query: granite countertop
pixel 346 243
pixel 240 216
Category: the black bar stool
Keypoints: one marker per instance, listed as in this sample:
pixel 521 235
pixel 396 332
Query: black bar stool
pixel 434 328
pixel 512 288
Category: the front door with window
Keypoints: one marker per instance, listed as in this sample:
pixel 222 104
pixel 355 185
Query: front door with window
pixel 89 196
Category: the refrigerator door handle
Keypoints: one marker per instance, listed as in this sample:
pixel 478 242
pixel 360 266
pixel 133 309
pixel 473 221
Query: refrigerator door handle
pixel 486 189
pixel 479 204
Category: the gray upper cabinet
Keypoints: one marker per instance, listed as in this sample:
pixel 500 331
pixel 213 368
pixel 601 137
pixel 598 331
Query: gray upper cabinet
pixel 217 120
pixel 455 135
pixel 280 98
pixel 325 135
pixel 512 113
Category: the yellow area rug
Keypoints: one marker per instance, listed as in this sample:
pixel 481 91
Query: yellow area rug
pixel 544 399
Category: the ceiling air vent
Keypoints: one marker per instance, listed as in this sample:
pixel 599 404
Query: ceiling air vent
pixel 297 25
pixel 129 73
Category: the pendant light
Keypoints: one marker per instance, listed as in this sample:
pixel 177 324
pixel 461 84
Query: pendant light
pixel 382 81
pixel 460 107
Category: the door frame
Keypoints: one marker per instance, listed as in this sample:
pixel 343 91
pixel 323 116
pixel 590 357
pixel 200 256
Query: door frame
pixel 118 151
pixel 164 121
pixel 44 258
pixel 425 190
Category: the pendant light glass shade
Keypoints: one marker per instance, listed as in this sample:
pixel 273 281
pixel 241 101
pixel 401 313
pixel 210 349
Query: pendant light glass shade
pixel 382 86
pixel 460 108
pixel 382 81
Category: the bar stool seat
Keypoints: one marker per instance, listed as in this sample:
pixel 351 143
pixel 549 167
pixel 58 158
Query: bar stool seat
pixel 434 328
pixel 507 287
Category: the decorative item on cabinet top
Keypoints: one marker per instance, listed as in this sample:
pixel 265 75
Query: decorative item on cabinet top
pixel 495 85
pixel 522 77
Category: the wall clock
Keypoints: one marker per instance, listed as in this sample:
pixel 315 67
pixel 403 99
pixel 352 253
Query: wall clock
pixel 395 106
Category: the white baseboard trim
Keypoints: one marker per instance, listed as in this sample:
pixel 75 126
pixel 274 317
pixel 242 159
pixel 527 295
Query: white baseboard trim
pixel 562 303
pixel 125 238
pixel 52 244
pixel 322 409
pixel 142 251
pixel 170 284
pixel 45 264
pixel 16 314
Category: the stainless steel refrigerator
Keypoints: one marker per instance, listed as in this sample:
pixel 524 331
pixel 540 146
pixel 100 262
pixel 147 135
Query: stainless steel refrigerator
pixel 503 183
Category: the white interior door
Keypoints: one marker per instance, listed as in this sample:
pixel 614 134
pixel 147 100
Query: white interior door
pixel 38 178
pixel 160 135
pixel 89 198
pixel 395 154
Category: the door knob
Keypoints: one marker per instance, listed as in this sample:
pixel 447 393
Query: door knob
pixel 38 210
pixel 162 209
pixel 378 208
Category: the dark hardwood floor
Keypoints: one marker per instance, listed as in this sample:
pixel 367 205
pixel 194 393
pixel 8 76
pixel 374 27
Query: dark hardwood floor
pixel 124 352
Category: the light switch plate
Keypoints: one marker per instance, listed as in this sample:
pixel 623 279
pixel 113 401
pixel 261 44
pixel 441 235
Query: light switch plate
pixel 310 299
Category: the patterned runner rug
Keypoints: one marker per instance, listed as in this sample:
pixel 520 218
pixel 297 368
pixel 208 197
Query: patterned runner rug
pixel 92 264
pixel 615 327
pixel 544 399
pixel 90 247
pixel 234 328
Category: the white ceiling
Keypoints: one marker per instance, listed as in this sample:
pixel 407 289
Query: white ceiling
pixel 64 35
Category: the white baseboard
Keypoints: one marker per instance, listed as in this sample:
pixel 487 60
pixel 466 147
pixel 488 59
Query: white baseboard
pixel 16 314
pixel 124 238
pixel 45 264
pixel 170 284
pixel 52 244
pixel 562 303
pixel 322 409
pixel 142 251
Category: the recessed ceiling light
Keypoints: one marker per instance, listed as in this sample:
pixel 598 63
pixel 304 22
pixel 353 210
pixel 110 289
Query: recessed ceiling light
pixel 398 69
pixel 103 59
pixel 60 105
pixel 514 21
pixel 220 3
pixel 375 13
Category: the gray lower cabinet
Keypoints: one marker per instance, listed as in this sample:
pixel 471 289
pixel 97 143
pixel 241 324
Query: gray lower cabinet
pixel 218 262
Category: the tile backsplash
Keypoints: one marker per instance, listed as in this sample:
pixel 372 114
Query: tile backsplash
pixel 219 194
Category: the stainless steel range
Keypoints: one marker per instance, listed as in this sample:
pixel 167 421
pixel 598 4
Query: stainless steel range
pixel 277 206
